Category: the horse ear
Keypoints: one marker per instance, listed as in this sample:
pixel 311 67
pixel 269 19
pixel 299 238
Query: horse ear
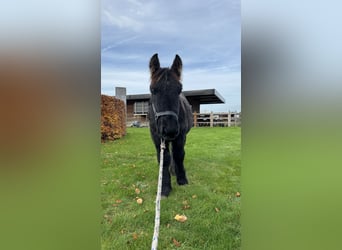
pixel 154 64
pixel 177 66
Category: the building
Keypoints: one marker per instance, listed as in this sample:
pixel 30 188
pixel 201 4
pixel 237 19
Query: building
pixel 137 105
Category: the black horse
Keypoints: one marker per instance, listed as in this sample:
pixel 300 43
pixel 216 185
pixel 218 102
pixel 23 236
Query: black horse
pixel 170 118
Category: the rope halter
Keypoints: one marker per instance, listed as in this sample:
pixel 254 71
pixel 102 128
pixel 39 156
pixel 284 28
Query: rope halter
pixel 163 113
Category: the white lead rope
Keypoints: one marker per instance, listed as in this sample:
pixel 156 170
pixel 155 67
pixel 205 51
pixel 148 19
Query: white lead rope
pixel 158 198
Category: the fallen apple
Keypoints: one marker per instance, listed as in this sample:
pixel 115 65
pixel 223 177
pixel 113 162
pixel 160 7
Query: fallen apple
pixel 180 218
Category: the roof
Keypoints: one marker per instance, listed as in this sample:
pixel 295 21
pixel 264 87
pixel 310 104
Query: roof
pixel 204 96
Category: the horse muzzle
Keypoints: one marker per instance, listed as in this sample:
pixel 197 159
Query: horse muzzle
pixel 167 122
pixel 169 133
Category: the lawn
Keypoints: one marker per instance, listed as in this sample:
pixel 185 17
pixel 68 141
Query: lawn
pixel 129 170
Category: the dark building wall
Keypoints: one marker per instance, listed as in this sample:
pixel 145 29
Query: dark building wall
pixel 195 104
pixel 130 109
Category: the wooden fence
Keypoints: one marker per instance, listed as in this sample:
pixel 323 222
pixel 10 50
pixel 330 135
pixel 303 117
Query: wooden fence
pixel 213 119
pixel 221 119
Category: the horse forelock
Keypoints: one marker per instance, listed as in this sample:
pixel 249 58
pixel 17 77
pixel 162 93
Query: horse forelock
pixel 163 73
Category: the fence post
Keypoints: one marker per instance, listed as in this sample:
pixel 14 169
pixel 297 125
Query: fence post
pixel 195 119
pixel 211 119
pixel 228 119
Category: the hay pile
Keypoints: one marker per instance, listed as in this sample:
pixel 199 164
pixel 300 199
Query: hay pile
pixel 113 118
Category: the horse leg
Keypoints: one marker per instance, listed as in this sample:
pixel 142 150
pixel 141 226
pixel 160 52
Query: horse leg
pixel 166 179
pixel 172 168
pixel 178 155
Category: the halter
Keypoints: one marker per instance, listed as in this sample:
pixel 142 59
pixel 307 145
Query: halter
pixel 159 114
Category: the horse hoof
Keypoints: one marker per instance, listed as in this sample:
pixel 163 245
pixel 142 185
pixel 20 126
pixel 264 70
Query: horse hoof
pixel 182 181
pixel 165 192
pixel 165 195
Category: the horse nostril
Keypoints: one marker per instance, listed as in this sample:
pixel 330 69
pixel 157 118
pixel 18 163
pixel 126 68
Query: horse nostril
pixel 169 133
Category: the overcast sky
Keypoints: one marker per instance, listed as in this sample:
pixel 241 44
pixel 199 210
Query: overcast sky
pixel 205 34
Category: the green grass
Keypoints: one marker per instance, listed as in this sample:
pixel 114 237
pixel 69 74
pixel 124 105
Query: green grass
pixel 212 162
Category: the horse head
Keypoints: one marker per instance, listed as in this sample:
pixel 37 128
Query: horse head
pixel 165 90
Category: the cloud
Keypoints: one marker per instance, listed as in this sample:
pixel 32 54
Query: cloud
pixel 116 44
pixel 205 34
pixel 122 21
